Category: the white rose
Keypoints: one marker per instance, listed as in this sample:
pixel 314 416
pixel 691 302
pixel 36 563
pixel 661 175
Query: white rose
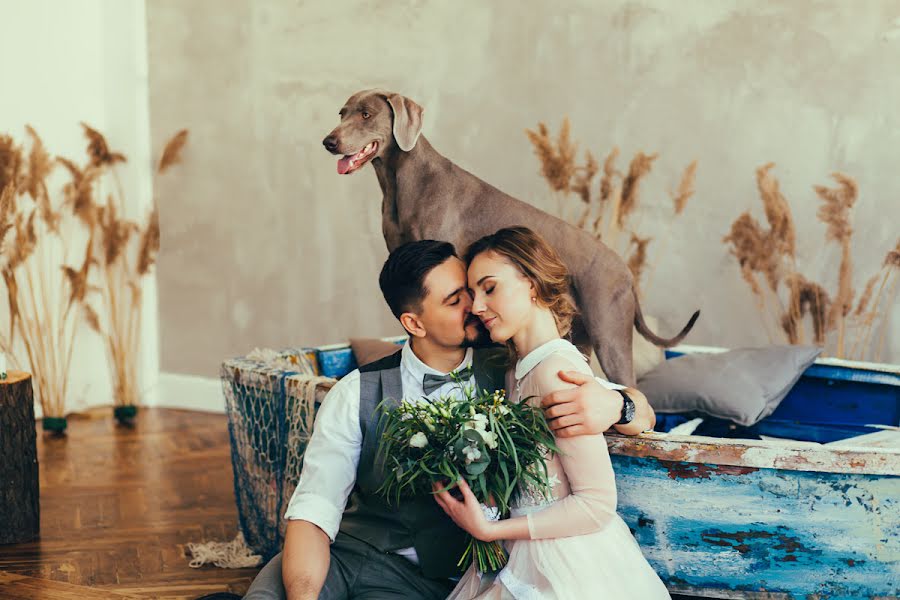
pixel 419 440
pixel 479 423
pixel 472 454
pixel 490 439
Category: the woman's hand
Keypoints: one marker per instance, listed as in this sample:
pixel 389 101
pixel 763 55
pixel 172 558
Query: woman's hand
pixel 467 514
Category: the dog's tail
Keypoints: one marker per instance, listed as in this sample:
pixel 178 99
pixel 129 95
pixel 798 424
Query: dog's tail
pixel 652 337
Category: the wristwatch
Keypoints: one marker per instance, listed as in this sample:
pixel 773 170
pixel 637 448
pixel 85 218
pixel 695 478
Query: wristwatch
pixel 627 409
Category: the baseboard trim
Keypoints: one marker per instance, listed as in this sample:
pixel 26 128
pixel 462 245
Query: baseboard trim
pixel 189 392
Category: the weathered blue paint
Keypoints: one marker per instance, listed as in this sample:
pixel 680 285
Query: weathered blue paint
pixel 773 530
pixel 337 361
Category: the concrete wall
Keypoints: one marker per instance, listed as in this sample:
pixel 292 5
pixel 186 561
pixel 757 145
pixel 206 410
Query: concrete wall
pixel 265 245
pixel 85 60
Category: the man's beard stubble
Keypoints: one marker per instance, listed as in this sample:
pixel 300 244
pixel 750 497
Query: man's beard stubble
pixel 482 338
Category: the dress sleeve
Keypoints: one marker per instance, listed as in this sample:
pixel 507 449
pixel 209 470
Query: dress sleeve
pixel 591 503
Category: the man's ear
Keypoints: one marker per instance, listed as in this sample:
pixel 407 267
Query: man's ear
pixel 412 324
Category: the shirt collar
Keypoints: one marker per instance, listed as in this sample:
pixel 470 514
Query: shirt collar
pixel 418 369
pixel 534 358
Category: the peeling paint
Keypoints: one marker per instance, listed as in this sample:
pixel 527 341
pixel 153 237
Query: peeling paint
pixel 759 454
pixel 686 470
pixel 763 533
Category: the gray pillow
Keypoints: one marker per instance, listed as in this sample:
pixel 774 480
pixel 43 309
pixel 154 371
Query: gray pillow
pixel 744 385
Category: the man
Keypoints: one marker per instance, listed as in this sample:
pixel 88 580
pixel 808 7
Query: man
pixel 372 549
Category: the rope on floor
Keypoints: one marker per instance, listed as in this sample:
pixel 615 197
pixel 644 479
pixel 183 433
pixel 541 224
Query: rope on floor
pixel 225 555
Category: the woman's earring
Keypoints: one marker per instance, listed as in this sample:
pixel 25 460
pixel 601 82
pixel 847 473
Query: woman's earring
pixel 533 299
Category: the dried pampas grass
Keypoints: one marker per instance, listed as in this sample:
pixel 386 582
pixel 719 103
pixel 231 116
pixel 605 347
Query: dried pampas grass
pixel 606 209
pixel 884 297
pixel 640 166
pixel 37 239
pixel 638 259
pixel 685 189
pixel 172 152
pixel 125 251
pixel 48 294
pixel 771 253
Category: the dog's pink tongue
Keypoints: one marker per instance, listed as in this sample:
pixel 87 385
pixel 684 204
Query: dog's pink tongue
pixel 344 165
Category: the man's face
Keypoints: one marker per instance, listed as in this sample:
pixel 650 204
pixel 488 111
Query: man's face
pixel 447 308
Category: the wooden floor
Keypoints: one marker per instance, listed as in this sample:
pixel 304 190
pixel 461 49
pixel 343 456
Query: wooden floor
pixel 118 506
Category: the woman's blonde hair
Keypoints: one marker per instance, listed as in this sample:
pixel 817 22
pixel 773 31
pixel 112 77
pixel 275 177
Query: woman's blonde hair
pixel 539 263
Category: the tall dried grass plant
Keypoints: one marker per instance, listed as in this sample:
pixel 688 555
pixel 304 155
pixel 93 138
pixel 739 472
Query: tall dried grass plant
pixel 124 251
pixel 60 252
pixel 41 241
pixel 607 206
pixel 791 304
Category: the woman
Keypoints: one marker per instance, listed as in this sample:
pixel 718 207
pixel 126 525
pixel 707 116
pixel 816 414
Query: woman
pixel 572 545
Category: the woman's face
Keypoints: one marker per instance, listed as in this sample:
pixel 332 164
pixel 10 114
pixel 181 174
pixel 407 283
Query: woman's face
pixel 501 295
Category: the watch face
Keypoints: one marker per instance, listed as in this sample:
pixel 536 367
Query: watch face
pixel 627 409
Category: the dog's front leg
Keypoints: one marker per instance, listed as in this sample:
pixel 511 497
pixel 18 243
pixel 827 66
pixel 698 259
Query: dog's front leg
pixel 390 225
pixel 393 237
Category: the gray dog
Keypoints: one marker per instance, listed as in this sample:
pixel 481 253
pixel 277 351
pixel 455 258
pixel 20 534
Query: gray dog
pixel 428 197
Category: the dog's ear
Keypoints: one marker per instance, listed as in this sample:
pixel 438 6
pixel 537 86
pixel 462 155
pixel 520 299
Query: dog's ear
pixel 407 121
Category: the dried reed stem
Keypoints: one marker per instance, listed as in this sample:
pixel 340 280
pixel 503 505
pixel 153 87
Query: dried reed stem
pixel 835 212
pixel 638 259
pixel 680 197
pixel 891 295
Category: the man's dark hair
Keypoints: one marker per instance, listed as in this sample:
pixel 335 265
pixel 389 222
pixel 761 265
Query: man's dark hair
pixel 402 278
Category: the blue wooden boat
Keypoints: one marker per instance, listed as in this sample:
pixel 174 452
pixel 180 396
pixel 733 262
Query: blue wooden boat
pixel 730 518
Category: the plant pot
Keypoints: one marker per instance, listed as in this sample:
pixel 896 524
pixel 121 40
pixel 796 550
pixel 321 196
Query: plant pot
pixel 125 414
pixel 55 425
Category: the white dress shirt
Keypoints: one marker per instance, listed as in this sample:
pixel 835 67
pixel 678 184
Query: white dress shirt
pixel 332 456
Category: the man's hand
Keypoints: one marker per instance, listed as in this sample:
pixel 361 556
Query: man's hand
pixel 591 408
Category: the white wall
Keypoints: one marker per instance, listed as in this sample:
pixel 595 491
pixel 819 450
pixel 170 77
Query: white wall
pixel 85 60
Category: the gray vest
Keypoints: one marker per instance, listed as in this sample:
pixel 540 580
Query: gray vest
pixel 415 522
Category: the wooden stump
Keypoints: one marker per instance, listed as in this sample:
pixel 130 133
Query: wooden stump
pixel 19 491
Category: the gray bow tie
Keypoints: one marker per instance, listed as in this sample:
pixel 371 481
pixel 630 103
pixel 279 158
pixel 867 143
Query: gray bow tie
pixel 433 382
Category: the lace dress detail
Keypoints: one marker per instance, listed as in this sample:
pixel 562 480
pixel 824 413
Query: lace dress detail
pixel 530 497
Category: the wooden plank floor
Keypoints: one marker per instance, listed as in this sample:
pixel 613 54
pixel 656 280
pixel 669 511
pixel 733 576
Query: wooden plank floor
pixel 118 506
pixel 21 587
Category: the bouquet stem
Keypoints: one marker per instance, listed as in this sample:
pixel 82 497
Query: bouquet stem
pixel 489 557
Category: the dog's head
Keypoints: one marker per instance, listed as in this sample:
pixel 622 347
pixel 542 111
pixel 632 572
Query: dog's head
pixel 373 123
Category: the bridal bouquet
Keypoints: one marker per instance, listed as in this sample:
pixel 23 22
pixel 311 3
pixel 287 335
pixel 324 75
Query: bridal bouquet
pixel 496 445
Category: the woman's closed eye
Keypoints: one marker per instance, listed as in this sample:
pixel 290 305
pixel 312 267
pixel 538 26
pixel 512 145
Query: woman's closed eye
pixel 488 290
